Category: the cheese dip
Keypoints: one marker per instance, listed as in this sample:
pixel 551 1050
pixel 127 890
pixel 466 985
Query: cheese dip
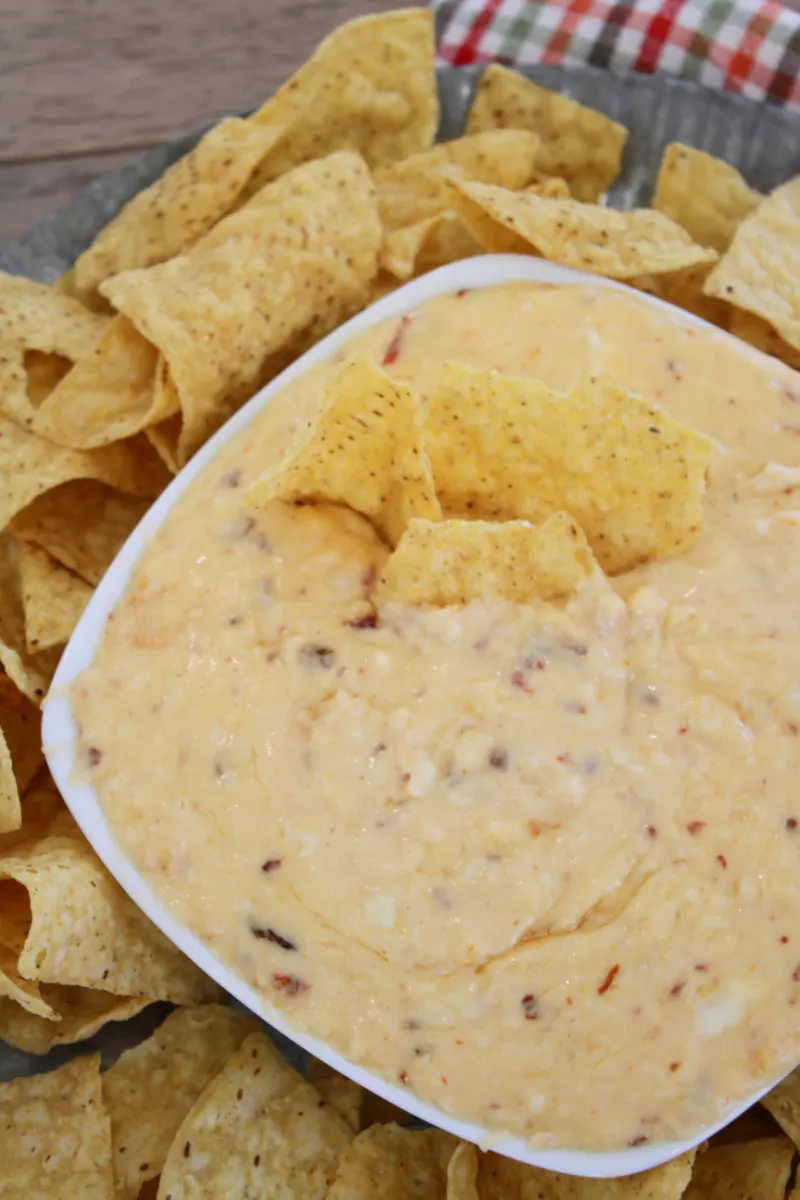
pixel 539 864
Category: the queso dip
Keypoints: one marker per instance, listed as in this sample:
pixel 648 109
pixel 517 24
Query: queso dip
pixel 539 864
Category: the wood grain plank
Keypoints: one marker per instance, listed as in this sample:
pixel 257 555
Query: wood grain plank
pixel 97 75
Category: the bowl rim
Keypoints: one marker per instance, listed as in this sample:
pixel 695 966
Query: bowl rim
pixel 59 731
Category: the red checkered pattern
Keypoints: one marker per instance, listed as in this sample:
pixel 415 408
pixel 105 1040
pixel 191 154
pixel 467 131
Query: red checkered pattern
pixel 740 45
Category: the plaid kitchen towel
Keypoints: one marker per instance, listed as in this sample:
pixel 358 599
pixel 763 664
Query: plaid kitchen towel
pixel 742 45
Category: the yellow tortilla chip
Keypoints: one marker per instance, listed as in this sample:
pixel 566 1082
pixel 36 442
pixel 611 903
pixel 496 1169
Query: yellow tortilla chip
pixel 462 1173
pixel 53 599
pixel 259 1128
pixel 82 524
pixel 85 932
pixel 454 562
pixel 78 1014
pixel 500 1178
pixel 31 465
pixel 370 86
pixel 763 337
pixel 746 1171
pixel 44 372
pixel 191 196
pixel 151 1087
pixel 30 673
pixel 705 195
pixel 10 810
pixel 416 188
pixel 43 814
pixel 588 237
pixel 362 449
pixel 14 400
pixel 36 317
pixel 110 394
pixel 302 252
pixel 56 1135
pixel 429 244
pixel 685 289
pixel 392 1163
pixel 580 145
pixel 761 269
pixel 341 1094
pixel 552 188
pixel 20 723
pixel 628 473
pixel 783 1102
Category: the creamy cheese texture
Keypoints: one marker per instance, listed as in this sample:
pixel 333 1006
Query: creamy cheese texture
pixel 539 864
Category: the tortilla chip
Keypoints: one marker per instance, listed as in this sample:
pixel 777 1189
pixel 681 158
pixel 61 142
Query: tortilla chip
pixel 340 1093
pixel 761 270
pixel 431 243
pixel 783 1102
pixel 499 1178
pixel 370 86
pixel 462 1173
pixel 151 1087
pixel 362 449
pixel 748 1171
pixel 107 396
pixel 392 1163
pixel 685 289
pixel 258 1129
pixel 588 237
pixel 20 723
pixel 191 196
pixel 630 475
pixel 454 562
pixel 31 465
pixel 79 1013
pixel 36 317
pixel 762 336
pixel 10 810
pixel 30 673
pixel 27 377
pixel 56 1135
pixel 302 251
pixel 580 145
pixel 82 524
pixel 85 932
pixel 44 813
pixel 52 597
pixel 416 188
pixel 552 188
pixel 705 195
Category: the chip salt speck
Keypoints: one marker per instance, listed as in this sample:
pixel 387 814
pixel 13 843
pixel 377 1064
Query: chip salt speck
pixel 630 475
pixel 363 449
pixel 454 562
pixel 55 1135
pixel 258 1129
pixel 579 144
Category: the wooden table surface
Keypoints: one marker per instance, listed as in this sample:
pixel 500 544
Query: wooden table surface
pixel 85 84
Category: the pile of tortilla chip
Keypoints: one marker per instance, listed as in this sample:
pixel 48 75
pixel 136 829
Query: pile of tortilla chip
pixel 207 1107
pixel 268 234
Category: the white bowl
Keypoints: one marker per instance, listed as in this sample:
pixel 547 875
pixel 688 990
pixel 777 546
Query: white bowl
pixel 60 736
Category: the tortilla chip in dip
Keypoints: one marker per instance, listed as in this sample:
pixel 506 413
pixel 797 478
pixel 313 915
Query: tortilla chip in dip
pixel 588 237
pixel 761 269
pixel 168 217
pixel 394 1163
pixel 704 194
pixel 56 1134
pixel 630 475
pixel 370 86
pixel 580 145
pixel 258 1128
pixel 152 1086
pixel 363 449
pixel 453 562
pixel 302 251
